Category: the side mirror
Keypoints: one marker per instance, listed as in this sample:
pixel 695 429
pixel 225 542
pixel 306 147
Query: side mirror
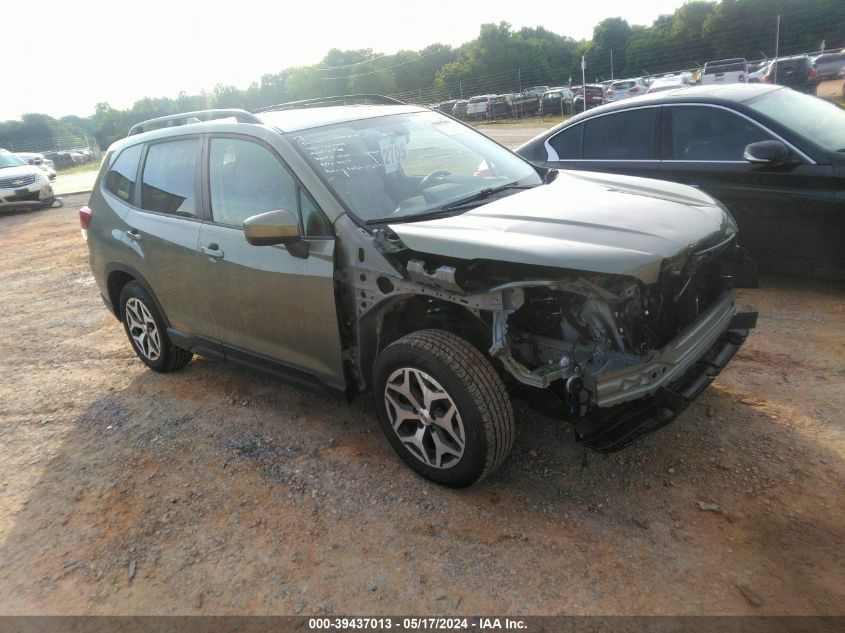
pixel 770 153
pixel 276 227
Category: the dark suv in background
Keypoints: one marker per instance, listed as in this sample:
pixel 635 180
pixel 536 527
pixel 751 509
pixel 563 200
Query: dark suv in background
pixel 829 66
pixel 793 72
pixel 527 102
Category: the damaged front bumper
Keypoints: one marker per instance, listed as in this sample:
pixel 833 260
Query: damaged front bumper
pixel 668 364
pixel 610 429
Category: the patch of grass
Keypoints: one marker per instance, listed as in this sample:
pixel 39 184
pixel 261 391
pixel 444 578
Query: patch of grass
pixel 93 165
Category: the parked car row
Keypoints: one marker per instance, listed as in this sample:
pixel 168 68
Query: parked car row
pixel 556 100
pixel 68 158
pixel 44 164
pixel 799 72
pixel 508 105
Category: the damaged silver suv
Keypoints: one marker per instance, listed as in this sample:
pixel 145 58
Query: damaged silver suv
pixel 363 245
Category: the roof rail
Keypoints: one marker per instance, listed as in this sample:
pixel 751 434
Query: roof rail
pixel 342 99
pixel 183 118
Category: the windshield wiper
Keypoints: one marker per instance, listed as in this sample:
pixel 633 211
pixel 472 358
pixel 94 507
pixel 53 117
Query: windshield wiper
pixel 428 215
pixel 481 195
pixel 448 209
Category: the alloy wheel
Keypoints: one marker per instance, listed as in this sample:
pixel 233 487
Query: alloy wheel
pixel 424 417
pixel 143 329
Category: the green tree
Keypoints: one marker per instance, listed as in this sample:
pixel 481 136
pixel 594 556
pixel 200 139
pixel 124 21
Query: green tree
pixel 610 36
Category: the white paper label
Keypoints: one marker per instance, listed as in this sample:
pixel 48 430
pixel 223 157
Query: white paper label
pixel 394 150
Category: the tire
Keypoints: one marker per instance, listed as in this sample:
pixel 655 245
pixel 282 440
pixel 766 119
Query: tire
pixel 457 374
pixel 146 330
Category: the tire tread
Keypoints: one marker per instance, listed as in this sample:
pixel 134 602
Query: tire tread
pixel 485 387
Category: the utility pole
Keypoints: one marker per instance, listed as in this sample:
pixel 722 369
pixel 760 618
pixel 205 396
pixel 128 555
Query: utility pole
pixel 777 46
pixel 519 70
pixel 611 64
pixel 584 81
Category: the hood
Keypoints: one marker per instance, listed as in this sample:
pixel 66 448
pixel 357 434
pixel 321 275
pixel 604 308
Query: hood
pixel 23 170
pixel 593 222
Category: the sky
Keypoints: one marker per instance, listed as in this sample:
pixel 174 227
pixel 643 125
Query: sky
pixel 74 54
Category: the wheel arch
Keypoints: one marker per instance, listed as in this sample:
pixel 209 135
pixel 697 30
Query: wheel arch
pixel 117 276
pixel 404 314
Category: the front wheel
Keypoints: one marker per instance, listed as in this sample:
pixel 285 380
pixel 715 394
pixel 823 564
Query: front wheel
pixel 443 407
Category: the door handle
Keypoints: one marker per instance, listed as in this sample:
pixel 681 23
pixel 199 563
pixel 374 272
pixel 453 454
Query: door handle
pixel 134 234
pixel 212 250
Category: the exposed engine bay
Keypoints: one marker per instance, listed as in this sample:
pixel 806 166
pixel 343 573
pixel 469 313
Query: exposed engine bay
pixel 594 325
pixel 593 340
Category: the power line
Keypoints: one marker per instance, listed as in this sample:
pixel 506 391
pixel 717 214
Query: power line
pixel 366 61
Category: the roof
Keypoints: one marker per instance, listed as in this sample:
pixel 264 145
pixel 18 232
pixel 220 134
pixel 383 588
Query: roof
pixel 305 118
pixel 703 94
pixel 790 58
pixel 291 120
pixel 724 62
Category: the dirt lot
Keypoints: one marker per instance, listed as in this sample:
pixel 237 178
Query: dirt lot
pixel 515 134
pixel 220 491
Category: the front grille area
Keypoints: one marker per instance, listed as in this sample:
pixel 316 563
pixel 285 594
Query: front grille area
pixel 30 197
pixel 17 181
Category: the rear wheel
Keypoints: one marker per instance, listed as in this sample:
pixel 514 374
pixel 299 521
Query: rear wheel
pixel 144 326
pixel 443 407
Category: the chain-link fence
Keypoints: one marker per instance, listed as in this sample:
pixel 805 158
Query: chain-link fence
pixel 64 151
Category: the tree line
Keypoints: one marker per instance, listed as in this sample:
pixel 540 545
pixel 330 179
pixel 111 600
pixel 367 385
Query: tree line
pixel 500 59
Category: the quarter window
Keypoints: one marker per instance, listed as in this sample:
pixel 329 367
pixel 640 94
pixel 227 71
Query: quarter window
pixel 168 183
pixel 120 179
pixel 710 134
pixel 567 143
pixel 314 223
pixel 626 135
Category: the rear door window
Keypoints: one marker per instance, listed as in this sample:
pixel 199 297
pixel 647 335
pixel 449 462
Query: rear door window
pixel 168 184
pixel 120 178
pixel 710 134
pixel 626 135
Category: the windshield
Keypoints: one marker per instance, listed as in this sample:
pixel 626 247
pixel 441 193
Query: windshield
pixel 821 122
pixel 10 160
pixel 406 165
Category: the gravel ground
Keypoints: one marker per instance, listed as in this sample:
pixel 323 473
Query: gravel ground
pixel 219 491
